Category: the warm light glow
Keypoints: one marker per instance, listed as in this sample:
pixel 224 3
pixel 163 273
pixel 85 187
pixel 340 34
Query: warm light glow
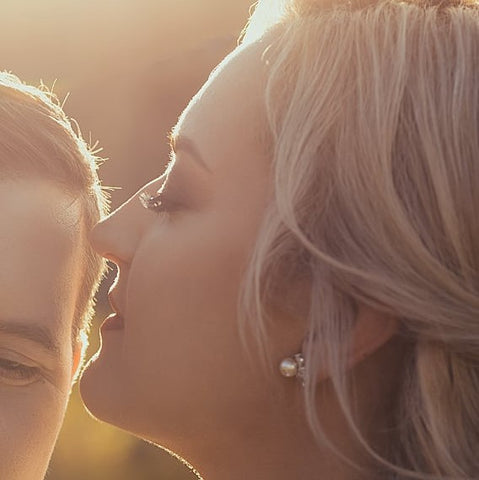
pixel 130 67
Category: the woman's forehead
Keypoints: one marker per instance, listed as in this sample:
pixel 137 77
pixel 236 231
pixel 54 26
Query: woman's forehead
pixel 228 112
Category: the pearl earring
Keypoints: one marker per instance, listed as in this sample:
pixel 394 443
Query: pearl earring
pixel 293 366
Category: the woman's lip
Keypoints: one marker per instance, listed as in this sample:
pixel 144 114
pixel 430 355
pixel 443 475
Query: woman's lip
pixel 112 322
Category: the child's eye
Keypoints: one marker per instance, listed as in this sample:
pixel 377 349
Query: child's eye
pixel 16 373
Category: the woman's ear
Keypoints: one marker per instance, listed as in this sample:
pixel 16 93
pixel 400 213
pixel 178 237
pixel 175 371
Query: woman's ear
pixel 372 330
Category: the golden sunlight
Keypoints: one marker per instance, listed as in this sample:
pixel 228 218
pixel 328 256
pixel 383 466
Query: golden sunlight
pixel 128 67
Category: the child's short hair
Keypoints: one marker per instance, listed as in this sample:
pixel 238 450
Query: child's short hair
pixel 38 139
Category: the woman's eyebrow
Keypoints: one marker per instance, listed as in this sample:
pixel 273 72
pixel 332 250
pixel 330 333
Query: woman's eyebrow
pixel 181 143
pixel 27 330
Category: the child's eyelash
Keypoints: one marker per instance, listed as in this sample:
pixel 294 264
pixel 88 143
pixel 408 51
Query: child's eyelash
pixel 16 373
pixel 150 202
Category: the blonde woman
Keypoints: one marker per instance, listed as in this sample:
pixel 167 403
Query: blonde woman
pixel 50 198
pixel 297 295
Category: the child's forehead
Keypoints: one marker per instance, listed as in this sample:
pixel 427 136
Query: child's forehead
pixel 42 244
pixel 38 214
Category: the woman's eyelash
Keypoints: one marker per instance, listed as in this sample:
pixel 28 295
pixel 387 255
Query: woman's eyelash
pixel 151 202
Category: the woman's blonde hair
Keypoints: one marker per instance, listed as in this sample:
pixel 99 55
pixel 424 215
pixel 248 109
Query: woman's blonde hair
pixel 373 112
pixel 38 139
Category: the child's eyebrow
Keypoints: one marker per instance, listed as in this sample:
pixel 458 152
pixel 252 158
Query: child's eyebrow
pixel 33 332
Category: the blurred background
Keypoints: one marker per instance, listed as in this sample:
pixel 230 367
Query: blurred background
pixel 126 69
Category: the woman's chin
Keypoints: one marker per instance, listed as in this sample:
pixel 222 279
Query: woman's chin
pixel 100 380
pixel 107 396
pixel 95 387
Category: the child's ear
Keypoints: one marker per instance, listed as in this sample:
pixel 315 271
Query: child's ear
pixel 77 356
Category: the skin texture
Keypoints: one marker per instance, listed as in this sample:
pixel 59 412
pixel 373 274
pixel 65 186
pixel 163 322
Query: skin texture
pixel 40 276
pixel 177 372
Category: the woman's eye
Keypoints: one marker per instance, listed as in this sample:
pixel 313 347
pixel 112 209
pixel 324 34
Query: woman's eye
pixel 156 203
pixel 17 374
pixel 151 202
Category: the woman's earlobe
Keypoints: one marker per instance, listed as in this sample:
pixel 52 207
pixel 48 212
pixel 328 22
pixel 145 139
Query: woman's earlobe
pixel 371 331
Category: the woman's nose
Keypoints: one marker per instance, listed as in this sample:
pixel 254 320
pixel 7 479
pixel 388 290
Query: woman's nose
pixel 103 239
pixel 117 236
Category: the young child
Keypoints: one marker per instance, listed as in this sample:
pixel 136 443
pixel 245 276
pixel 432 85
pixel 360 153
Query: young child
pixel 50 198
